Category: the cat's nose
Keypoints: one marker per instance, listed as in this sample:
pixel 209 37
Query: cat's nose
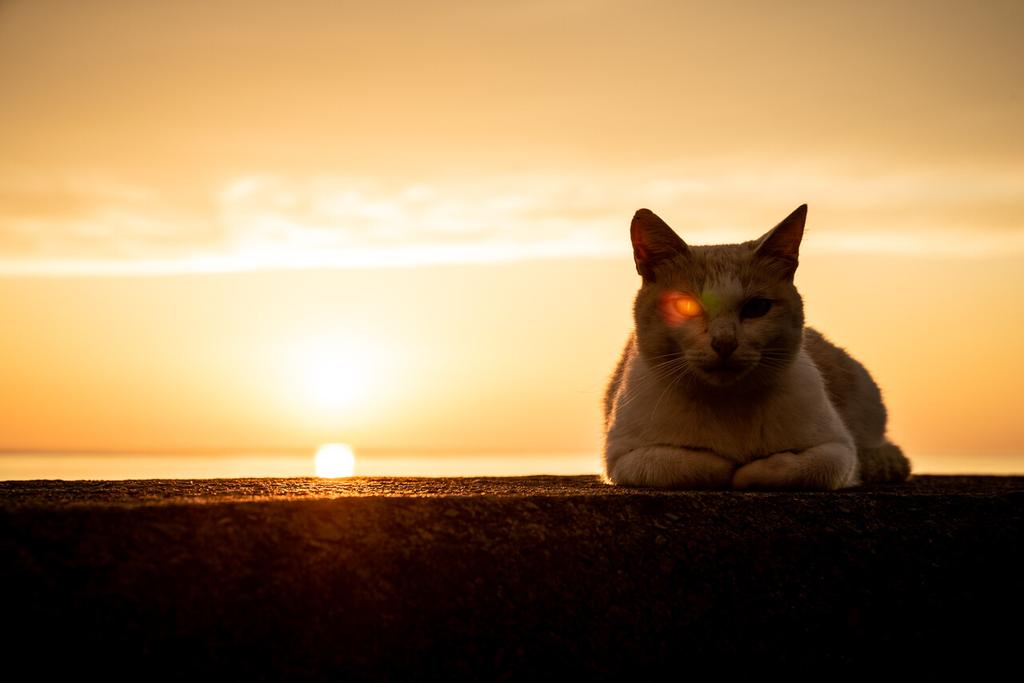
pixel 724 346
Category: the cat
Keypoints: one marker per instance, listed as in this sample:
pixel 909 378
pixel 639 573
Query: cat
pixel 722 386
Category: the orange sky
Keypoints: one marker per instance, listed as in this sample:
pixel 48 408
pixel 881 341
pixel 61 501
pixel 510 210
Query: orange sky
pixel 405 226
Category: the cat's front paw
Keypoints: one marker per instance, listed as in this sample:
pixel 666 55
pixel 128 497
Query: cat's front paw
pixel 821 468
pixel 671 467
pixel 777 471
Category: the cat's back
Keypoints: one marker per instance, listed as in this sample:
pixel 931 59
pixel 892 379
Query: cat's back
pixel 850 387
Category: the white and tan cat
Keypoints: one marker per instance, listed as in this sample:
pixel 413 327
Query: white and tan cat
pixel 722 386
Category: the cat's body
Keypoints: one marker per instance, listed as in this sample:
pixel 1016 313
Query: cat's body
pixel 721 385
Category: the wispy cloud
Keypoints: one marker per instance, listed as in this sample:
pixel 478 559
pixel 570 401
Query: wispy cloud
pixel 262 220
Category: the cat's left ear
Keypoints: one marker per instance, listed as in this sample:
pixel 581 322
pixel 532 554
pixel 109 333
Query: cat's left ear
pixel 653 243
pixel 783 241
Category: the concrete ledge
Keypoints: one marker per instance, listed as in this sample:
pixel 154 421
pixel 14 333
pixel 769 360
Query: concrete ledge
pixel 504 578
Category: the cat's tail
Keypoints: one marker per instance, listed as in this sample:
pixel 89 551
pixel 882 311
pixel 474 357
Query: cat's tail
pixel 883 463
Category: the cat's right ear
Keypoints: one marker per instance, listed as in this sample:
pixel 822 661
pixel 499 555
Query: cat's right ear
pixel 782 243
pixel 653 242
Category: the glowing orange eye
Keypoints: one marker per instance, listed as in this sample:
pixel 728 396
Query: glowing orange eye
pixel 687 306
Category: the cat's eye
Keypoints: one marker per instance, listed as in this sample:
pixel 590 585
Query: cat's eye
pixel 755 308
pixel 687 306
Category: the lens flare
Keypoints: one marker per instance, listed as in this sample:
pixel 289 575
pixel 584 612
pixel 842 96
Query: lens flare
pixel 677 308
pixel 687 306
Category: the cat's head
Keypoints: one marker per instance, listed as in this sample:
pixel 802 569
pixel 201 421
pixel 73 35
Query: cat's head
pixel 720 315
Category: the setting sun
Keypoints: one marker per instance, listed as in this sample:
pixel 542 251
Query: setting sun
pixel 335 460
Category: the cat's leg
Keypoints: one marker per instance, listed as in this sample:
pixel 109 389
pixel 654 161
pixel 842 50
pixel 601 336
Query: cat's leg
pixel 821 468
pixel 671 467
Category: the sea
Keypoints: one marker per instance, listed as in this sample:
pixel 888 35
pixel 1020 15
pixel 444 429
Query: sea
pixel 328 464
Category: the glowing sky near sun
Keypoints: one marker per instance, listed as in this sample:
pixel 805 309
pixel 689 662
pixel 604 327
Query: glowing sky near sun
pixel 405 225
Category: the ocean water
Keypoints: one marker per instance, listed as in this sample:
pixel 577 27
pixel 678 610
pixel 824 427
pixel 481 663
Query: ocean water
pixel 71 466
pixel 291 464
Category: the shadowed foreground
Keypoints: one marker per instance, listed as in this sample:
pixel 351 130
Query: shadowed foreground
pixel 497 577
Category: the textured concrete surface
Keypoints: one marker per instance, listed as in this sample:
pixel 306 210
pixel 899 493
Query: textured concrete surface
pixel 504 578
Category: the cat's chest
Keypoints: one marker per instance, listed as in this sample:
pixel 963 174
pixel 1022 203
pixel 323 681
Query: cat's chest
pixel 738 432
pixel 741 429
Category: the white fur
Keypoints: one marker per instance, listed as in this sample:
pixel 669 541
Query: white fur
pixel 791 438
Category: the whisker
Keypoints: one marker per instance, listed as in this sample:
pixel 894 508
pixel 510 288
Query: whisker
pixel 654 410
pixel 656 373
pixel 661 372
